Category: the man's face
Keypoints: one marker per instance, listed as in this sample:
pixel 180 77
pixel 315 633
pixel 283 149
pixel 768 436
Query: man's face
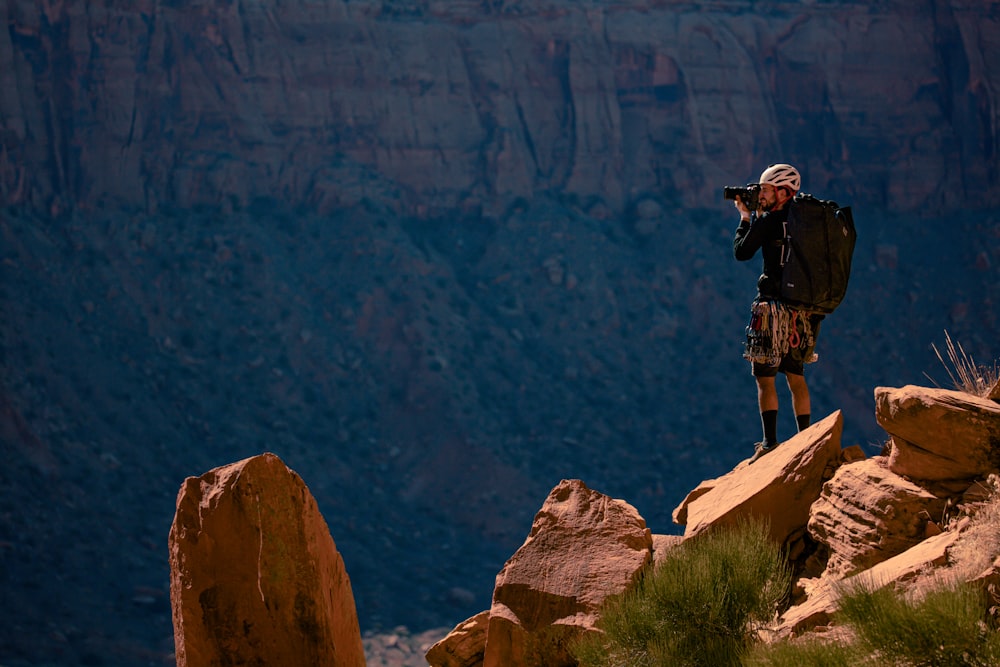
pixel 771 198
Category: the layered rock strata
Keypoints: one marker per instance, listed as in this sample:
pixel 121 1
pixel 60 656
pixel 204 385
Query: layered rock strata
pixel 867 514
pixel 441 106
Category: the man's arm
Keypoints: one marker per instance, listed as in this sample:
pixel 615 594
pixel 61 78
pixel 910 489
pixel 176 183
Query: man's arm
pixel 748 238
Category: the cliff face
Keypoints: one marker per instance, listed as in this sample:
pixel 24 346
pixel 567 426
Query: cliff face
pixel 438 105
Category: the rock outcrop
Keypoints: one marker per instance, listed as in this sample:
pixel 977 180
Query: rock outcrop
pixel 780 486
pixel 255 575
pixel 844 517
pixel 583 547
pixel 939 434
pixel 867 514
pixel 880 520
pixel 821 604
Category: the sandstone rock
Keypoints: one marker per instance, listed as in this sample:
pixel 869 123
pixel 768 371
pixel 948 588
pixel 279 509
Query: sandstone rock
pixel 662 544
pixel 822 601
pixel 255 577
pixel 464 646
pixel 867 514
pixel 780 486
pixel 852 454
pixel 583 547
pixel 989 581
pixel 994 393
pixel 939 434
pixel 680 514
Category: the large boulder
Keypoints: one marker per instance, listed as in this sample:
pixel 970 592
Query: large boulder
pixel 939 434
pixel 583 547
pixel 255 578
pixel 867 514
pixel 780 486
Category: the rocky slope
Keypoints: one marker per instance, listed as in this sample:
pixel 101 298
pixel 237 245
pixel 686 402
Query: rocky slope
pixel 839 516
pixel 438 257
pixel 256 577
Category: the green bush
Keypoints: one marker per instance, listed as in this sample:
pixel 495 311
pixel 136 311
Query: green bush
pixel 805 653
pixel 701 607
pixel 942 629
pixel 945 628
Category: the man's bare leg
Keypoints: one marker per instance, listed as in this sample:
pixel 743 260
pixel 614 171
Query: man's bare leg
pixel 800 399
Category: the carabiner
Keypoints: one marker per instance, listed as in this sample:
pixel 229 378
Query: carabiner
pixel 793 334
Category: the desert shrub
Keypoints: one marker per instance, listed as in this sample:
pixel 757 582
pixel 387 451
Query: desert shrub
pixel 805 653
pixel 943 628
pixel 702 606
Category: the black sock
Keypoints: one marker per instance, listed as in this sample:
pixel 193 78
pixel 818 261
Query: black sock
pixel 802 421
pixel 769 420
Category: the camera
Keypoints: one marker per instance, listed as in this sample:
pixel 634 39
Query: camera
pixel 748 195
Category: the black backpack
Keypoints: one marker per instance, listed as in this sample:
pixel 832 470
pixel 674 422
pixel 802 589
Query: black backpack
pixel 817 252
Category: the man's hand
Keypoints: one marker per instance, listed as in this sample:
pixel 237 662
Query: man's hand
pixel 742 208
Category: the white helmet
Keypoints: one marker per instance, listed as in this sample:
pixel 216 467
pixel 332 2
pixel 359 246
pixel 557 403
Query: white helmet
pixel 781 175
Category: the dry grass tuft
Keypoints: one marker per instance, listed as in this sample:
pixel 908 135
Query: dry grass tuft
pixel 979 544
pixel 966 375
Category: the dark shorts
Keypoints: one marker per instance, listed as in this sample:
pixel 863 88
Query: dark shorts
pixel 788 364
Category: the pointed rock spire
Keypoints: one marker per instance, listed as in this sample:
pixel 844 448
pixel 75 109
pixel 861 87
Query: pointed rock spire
pixel 255 578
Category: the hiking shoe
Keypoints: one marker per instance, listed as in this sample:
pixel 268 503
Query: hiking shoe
pixel 760 449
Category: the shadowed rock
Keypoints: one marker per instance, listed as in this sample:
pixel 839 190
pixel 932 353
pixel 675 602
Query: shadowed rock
pixel 663 545
pixel 255 578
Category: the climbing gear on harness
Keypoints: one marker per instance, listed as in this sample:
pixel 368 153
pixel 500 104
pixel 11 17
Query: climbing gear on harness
pixel 793 333
pixel 774 329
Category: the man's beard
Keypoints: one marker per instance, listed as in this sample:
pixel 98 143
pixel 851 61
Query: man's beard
pixel 766 206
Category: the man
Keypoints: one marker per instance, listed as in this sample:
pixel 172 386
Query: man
pixel 779 338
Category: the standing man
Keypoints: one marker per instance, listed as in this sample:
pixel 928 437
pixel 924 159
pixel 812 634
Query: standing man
pixel 779 338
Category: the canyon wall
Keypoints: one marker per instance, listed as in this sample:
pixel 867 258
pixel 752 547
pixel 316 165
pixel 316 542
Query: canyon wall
pixel 441 105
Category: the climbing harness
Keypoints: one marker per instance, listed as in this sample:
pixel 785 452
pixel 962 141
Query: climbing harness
pixel 774 329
